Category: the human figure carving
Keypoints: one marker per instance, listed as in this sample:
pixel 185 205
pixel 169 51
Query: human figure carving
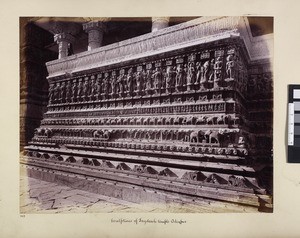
pixel 139 82
pixel 211 71
pixel 129 80
pixel 105 84
pixel 98 89
pixel 79 90
pixel 169 77
pixel 157 79
pixel 190 75
pixel 62 91
pixel 204 72
pixel 68 91
pixel 113 84
pixel 179 78
pixel 148 77
pixel 57 92
pixel 198 73
pixel 163 79
pixel 51 93
pixel 230 66
pixel 85 89
pixel 217 71
pixel 120 82
pixel 92 88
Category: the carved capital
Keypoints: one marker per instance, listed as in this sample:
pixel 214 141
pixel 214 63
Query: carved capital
pixel 63 40
pixel 161 19
pixel 95 31
pixel 93 25
pixel 159 23
pixel 63 37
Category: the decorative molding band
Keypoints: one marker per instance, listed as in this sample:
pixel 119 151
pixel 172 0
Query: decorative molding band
pixel 190 33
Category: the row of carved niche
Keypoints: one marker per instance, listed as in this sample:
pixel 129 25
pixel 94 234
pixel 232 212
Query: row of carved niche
pixel 151 120
pixel 184 69
pixel 154 171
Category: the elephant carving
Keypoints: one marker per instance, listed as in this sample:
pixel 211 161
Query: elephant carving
pixel 196 136
pixel 212 136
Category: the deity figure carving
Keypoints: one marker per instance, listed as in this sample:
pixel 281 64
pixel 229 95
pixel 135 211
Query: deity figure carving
pixel 163 79
pixel 185 73
pixel 51 93
pixel 113 84
pixel 68 91
pixel 230 67
pixel 148 77
pixel 179 78
pixel 169 78
pixel 198 73
pixel 85 89
pixel 120 82
pixel 74 91
pixel 204 73
pixel 97 87
pixel 57 92
pixel 79 90
pixel 92 88
pixel 190 75
pixel 139 82
pixel 129 81
pixel 157 80
pixel 105 84
pixel 211 71
pixel 217 71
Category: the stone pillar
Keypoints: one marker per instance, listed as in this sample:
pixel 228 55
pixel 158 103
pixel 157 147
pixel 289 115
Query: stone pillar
pixel 159 23
pixel 95 30
pixel 63 40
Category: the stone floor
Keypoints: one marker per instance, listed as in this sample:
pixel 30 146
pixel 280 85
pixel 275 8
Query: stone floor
pixel 37 196
pixel 44 197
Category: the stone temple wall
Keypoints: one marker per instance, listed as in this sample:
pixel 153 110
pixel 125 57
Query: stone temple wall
pixel 185 110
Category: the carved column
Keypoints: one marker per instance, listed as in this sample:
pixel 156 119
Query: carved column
pixel 95 30
pixel 64 41
pixel 159 23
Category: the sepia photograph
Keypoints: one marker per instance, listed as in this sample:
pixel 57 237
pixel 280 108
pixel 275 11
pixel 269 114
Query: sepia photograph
pixel 151 114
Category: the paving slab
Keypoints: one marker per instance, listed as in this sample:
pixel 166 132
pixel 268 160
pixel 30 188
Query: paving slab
pixel 38 196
